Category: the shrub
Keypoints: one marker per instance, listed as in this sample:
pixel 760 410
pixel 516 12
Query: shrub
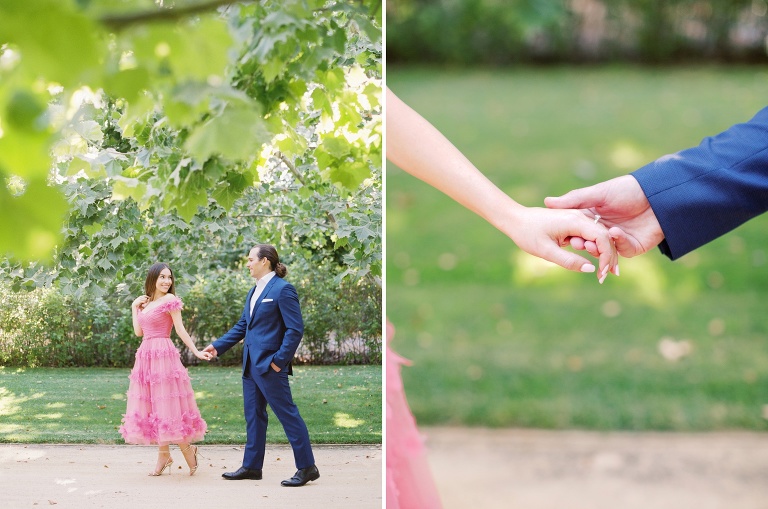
pixel 43 327
pixel 492 32
pixel 342 322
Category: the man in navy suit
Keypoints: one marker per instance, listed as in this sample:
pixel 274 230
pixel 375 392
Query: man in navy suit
pixel 272 327
pixel 684 200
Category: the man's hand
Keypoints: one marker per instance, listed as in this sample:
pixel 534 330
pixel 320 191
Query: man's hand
pixel 275 367
pixel 622 207
pixel 211 350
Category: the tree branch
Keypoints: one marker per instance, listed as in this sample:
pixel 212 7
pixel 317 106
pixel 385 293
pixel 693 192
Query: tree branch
pixel 299 176
pixel 292 167
pixel 119 22
pixel 376 280
pixel 265 215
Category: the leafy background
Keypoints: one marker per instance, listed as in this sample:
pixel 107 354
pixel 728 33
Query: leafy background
pixel 133 131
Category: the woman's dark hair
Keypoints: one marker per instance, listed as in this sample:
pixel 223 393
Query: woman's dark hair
pixel 269 252
pixel 150 285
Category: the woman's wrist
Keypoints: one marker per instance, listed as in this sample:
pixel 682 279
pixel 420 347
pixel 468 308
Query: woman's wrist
pixel 503 213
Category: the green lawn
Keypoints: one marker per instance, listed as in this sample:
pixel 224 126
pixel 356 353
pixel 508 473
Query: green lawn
pixel 340 404
pixel 500 338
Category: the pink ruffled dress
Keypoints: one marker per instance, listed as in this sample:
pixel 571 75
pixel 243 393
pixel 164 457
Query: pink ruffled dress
pixel 161 404
pixel 409 480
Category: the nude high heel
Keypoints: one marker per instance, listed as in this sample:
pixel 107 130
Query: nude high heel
pixel 167 465
pixel 192 470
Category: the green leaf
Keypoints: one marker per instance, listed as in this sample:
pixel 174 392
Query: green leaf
pixel 368 28
pixel 89 130
pixel 25 154
pixel 292 144
pixel 333 79
pixel 124 188
pixel 321 102
pixel 117 241
pixel 128 83
pixel 338 147
pixel 23 112
pixel 76 165
pixel 92 229
pixel 195 50
pixel 350 174
pixel 56 42
pixel 135 112
pixel 187 206
pixel 272 69
pixel 237 134
pixel 31 225
pixel 372 92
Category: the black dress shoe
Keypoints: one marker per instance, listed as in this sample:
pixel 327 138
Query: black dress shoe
pixel 302 477
pixel 242 473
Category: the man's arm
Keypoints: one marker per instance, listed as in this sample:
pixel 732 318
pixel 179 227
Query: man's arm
pixel 684 200
pixel 231 338
pixel 704 192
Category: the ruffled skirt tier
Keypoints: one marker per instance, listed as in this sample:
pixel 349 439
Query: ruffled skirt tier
pixel 161 403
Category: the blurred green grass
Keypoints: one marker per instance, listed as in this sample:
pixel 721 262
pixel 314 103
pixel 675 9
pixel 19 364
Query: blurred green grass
pixel 499 338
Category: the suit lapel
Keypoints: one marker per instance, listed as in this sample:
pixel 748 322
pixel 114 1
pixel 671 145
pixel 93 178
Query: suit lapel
pixel 248 302
pixel 264 294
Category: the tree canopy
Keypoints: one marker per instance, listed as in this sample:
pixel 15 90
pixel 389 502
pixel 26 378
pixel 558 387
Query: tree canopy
pixel 137 128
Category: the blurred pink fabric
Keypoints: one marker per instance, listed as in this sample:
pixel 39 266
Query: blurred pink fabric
pixel 161 403
pixel 409 480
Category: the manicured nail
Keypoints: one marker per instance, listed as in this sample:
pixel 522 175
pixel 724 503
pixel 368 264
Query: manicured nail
pixel 617 269
pixel 605 271
pixel 587 267
pixel 602 278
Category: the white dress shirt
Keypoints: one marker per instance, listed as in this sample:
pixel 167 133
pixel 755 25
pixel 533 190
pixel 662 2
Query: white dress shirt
pixel 260 284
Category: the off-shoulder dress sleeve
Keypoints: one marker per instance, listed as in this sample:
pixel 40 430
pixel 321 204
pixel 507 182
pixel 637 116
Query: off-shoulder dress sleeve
pixel 173 304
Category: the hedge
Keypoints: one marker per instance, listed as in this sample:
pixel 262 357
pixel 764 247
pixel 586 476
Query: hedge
pixel 43 327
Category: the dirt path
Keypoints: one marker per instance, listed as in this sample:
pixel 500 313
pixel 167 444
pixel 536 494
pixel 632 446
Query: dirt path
pixel 115 477
pixel 508 469
pixel 530 469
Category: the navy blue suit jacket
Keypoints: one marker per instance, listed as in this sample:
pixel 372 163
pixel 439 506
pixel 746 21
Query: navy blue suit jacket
pixel 272 333
pixel 701 193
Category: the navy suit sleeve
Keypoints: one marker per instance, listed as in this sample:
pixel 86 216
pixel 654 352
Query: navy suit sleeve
pixel 703 192
pixel 288 303
pixel 234 336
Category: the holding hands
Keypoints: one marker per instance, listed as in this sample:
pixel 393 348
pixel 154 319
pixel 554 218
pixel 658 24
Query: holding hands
pixel 211 351
pixel 543 233
pixel 622 207
pixel 203 355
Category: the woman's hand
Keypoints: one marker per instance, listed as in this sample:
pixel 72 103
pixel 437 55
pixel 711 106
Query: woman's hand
pixel 140 302
pixel 544 232
pixel 203 356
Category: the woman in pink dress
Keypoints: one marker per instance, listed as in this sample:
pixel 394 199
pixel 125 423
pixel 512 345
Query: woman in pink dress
pixel 417 147
pixel 161 403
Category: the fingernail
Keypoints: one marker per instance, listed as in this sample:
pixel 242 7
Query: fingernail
pixel 587 267
pixel 602 278
pixel 617 269
pixel 605 271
